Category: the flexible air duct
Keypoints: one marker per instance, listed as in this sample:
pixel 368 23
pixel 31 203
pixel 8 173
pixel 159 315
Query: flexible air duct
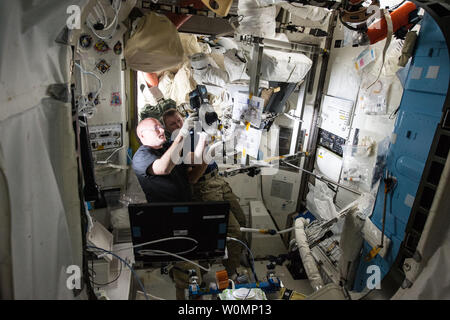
pixel 305 253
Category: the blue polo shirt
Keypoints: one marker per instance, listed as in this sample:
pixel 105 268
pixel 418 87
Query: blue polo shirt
pixel 173 187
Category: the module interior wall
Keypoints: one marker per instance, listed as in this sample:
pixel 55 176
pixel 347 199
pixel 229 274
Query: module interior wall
pixel 343 81
pixel 113 81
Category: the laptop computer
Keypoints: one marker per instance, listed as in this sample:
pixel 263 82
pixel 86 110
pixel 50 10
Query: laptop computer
pixel 200 228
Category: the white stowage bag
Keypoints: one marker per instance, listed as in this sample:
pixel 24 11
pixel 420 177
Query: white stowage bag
pixel 190 44
pixel 178 86
pixel 211 75
pixel 257 21
pixel 155 46
pixel 182 85
pixel 119 218
pixel 283 66
pixel 319 201
pixel 165 83
pixel 306 12
pixel 235 65
pixel 206 71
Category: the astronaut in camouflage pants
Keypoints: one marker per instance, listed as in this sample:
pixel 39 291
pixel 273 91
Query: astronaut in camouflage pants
pixel 211 187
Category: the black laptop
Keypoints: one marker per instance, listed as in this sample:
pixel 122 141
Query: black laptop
pixel 201 225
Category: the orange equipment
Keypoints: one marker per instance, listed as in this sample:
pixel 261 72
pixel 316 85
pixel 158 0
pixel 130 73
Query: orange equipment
pixel 400 17
pixel 151 79
pixel 222 279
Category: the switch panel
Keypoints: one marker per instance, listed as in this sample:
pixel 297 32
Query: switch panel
pixel 331 141
pixel 105 137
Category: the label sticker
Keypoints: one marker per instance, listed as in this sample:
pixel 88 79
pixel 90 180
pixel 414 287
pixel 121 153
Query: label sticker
pixel 180 209
pixel 118 48
pixel 101 46
pixel 85 41
pixel 103 66
pixel 222 228
pixel 393 138
pixel 137 232
pixel 433 72
pixel 409 200
pixel 213 217
pixel 177 233
pixel 115 99
pixel 416 73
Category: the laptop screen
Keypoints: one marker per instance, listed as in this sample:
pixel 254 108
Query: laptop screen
pixel 193 230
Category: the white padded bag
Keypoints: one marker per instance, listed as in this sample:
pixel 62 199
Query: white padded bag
pixel 155 46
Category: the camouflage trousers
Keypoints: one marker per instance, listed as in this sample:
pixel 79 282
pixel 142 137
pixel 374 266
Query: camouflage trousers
pixel 213 188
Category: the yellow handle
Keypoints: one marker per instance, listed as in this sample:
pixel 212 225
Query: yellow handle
pixel 373 253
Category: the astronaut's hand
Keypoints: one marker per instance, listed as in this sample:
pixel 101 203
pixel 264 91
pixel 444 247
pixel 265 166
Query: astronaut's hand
pixel 188 124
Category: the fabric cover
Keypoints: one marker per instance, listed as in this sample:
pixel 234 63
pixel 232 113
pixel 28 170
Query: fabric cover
pixel 256 20
pixel 177 86
pixel 284 66
pixel 235 66
pixel 155 46
pixel 39 202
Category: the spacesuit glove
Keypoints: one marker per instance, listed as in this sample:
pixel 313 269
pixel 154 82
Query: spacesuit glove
pixel 188 125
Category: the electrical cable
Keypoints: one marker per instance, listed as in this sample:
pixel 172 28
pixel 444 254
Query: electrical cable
pixel 97 12
pixel 149 252
pixel 154 297
pixel 251 254
pixel 113 23
pixel 262 192
pixel 126 263
pixel 87 286
pixel 266 231
pixel 322 178
pixel 85 104
pixel 90 223
pixel 365 295
pixel 105 17
pixel 181 252
pixel 105 284
pixel 346 24
pixel 248 292
pixel 394 113
pixel 109 157
pixel 157 241
pixel 285 230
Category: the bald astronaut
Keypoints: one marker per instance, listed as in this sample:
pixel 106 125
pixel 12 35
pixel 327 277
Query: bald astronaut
pixel 164 180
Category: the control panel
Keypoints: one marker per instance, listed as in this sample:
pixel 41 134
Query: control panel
pixel 105 137
pixel 331 141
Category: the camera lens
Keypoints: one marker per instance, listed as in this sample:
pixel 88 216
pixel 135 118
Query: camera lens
pixel 210 118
